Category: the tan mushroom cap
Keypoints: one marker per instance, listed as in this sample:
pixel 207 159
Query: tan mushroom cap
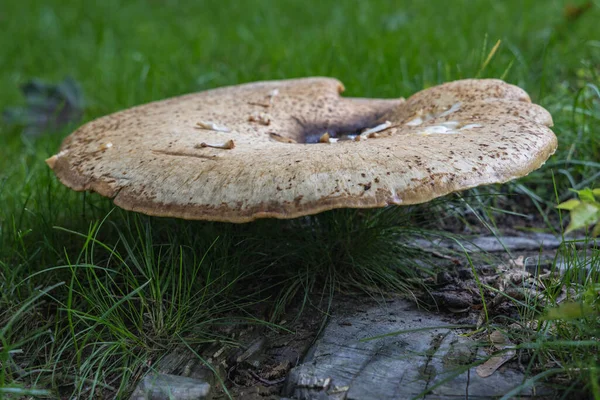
pixel 238 153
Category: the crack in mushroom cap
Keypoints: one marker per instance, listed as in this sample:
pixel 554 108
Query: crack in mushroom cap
pixel 443 139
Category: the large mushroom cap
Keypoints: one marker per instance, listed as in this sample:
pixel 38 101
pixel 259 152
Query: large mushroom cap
pixel 277 149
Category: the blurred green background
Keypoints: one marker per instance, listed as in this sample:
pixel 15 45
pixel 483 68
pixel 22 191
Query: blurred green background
pixel 128 52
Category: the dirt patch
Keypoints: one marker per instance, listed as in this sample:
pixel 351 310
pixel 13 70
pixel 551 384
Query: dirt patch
pixel 258 368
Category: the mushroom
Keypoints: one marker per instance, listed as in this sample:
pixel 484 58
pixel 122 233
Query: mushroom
pixel 444 139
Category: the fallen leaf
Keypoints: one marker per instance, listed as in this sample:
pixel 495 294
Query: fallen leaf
pixel 501 343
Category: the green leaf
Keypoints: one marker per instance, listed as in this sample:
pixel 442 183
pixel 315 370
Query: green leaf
pixel 586 195
pixel 583 215
pixel 569 204
pixel 596 192
pixel 596 230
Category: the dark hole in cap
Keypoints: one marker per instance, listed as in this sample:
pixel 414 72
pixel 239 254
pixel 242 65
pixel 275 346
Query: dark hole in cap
pixel 311 132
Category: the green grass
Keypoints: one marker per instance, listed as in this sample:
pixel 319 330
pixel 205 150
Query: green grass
pixel 555 335
pixel 84 290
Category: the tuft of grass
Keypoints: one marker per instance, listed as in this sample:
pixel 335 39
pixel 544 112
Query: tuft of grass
pixel 342 250
pixel 559 327
pixel 555 333
pixel 120 306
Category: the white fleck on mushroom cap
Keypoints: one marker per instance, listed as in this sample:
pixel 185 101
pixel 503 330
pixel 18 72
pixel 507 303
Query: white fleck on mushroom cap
pixel 256 162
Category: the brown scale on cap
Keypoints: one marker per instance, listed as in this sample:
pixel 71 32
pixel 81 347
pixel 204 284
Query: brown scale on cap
pixel 444 139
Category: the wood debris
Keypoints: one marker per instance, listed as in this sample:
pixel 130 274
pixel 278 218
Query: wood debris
pixel 228 145
pixel 325 138
pixel 279 138
pixel 370 133
pixel 211 126
pixel 260 117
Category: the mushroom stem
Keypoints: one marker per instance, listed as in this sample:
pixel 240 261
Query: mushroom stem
pixel 228 145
